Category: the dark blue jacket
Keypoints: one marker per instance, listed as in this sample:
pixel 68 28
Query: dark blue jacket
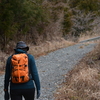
pixel 33 71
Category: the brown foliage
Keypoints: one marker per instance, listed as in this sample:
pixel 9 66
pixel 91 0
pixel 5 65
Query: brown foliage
pixel 83 82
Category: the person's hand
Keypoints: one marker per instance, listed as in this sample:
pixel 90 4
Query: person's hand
pixel 6 95
pixel 38 93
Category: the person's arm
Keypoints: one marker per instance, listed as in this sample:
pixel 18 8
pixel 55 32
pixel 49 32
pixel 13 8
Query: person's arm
pixel 34 72
pixel 7 74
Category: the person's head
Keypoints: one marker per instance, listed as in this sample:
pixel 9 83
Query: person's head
pixel 22 45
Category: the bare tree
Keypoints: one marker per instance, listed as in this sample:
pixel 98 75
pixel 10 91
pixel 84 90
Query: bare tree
pixel 83 22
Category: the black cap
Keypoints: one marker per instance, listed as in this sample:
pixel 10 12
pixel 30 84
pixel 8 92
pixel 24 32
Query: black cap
pixel 21 45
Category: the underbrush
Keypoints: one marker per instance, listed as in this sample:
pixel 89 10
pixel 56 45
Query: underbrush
pixel 3 58
pixel 88 35
pixel 83 82
pixel 49 46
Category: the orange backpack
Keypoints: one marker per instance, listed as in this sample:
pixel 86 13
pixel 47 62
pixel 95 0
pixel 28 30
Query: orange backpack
pixel 20 70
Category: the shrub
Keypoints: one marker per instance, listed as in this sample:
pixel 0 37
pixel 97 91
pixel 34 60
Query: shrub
pixel 82 22
pixel 86 5
pixel 18 16
pixel 67 22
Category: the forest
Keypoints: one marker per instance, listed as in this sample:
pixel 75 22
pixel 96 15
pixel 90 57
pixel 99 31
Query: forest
pixel 36 21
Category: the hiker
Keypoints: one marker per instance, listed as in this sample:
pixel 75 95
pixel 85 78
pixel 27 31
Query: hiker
pixel 19 86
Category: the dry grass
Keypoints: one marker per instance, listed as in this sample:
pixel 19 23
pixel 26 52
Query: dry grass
pixel 88 36
pixel 49 46
pixel 3 58
pixel 83 82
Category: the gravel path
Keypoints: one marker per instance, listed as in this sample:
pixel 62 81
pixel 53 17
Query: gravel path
pixel 54 66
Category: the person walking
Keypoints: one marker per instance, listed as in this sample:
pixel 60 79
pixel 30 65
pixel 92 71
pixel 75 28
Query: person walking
pixel 26 89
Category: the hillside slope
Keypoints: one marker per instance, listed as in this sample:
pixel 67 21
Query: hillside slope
pixel 83 82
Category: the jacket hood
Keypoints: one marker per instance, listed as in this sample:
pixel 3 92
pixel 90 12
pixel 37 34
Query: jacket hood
pixel 19 51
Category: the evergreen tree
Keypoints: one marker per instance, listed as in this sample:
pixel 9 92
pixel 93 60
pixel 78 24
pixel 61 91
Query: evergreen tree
pixel 18 16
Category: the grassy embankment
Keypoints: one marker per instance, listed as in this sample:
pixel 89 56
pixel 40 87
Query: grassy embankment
pixel 83 82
